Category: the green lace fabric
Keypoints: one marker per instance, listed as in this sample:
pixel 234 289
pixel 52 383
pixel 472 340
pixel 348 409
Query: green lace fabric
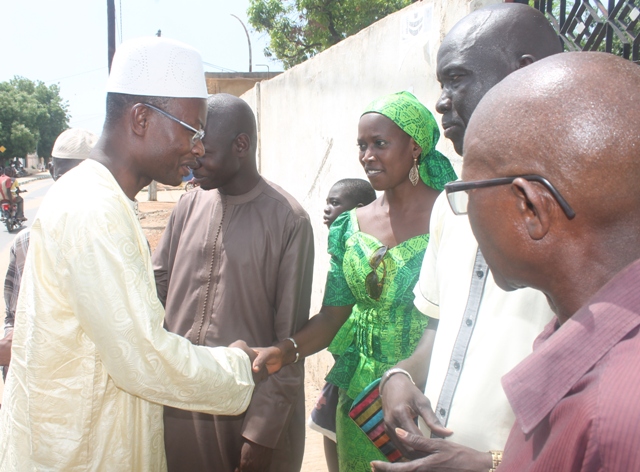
pixel 379 333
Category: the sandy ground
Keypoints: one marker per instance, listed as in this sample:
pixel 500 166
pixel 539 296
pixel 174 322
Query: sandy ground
pixel 153 218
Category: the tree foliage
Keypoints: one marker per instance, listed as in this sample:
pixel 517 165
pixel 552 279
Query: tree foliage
pixel 299 29
pixel 32 116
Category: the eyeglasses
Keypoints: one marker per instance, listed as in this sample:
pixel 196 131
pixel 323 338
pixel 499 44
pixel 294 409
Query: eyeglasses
pixel 458 196
pixel 198 134
pixel 372 283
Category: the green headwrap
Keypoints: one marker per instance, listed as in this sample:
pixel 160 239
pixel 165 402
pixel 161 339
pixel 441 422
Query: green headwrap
pixel 413 118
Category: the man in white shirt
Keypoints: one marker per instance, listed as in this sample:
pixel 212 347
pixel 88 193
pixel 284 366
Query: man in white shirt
pixel 91 362
pixel 482 331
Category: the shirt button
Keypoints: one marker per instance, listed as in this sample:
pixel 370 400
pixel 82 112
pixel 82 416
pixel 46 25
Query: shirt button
pixel 443 412
pixel 469 321
pixel 456 365
pixel 480 273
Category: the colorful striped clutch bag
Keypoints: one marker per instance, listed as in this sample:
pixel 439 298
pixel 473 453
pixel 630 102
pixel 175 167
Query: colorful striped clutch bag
pixel 366 411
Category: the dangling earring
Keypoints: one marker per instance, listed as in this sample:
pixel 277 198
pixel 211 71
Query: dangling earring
pixel 414 175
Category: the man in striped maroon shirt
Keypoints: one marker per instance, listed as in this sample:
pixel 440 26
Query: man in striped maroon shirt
pixel 569 226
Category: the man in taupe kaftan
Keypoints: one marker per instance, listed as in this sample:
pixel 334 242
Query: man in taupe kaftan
pixel 235 262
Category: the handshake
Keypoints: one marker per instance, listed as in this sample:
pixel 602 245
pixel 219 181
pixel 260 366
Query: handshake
pixel 268 360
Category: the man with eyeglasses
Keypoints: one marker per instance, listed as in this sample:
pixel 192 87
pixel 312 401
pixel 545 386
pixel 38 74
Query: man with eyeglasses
pixel 91 362
pixel 568 225
pixel 236 262
pixel 483 331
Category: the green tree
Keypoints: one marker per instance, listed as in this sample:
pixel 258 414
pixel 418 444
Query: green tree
pixel 299 29
pixel 32 115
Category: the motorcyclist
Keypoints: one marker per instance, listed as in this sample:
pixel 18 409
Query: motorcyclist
pixel 10 191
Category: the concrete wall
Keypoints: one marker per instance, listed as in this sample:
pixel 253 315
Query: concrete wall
pixel 308 116
pixel 235 83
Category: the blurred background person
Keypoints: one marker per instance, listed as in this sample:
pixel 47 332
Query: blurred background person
pixel 345 195
pixel 69 150
pixel 10 191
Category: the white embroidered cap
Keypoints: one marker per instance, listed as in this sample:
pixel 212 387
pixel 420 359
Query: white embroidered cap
pixel 157 67
pixel 74 143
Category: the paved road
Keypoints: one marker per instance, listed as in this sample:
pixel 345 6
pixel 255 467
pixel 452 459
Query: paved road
pixel 36 190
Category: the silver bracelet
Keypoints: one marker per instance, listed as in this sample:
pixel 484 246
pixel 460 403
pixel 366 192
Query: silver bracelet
pixel 295 346
pixel 389 373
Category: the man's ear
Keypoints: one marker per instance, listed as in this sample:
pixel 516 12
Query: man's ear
pixel 242 144
pixel 139 119
pixel 535 206
pixel 526 60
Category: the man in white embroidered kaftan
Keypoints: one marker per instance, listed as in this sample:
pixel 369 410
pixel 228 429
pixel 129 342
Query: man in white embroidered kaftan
pixel 91 362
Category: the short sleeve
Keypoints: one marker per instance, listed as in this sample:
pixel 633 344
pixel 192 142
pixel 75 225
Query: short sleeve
pixel 426 291
pixel 337 291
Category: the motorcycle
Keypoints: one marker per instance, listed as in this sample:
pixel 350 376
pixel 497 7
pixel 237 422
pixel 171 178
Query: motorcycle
pixel 18 170
pixel 8 213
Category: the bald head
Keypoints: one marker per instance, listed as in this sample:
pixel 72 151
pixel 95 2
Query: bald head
pixel 507 30
pixel 229 116
pixel 229 161
pixel 567 119
pixel 482 49
pixel 573 119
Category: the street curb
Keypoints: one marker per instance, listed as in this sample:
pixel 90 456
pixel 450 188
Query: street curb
pixel 39 177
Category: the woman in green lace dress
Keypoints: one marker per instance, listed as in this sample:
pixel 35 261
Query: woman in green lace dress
pixel 376 251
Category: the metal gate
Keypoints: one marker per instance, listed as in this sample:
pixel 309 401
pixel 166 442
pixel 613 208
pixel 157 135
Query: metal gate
pixel 589 25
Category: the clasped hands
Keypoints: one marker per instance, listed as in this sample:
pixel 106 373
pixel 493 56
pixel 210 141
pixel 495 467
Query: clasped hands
pixel 264 360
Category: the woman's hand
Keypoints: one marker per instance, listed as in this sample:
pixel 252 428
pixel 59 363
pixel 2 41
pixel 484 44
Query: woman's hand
pixel 269 357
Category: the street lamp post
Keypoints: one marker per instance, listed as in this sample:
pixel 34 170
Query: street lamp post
pixel 248 39
pixel 111 31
